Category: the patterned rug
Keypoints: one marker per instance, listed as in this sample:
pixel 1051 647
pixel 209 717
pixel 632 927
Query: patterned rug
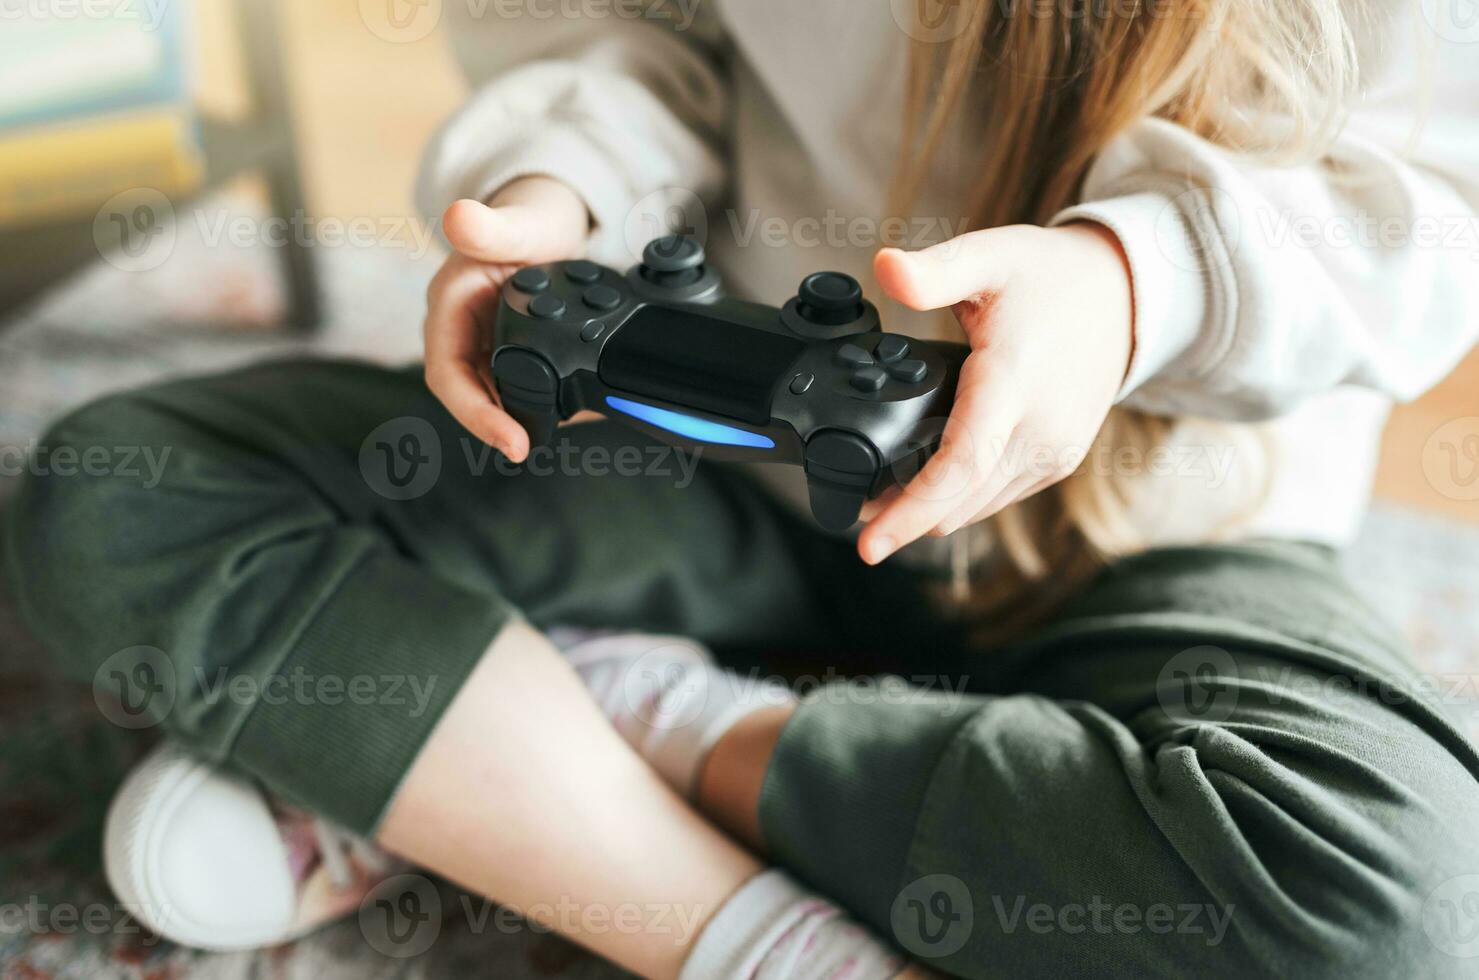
pixel 210 307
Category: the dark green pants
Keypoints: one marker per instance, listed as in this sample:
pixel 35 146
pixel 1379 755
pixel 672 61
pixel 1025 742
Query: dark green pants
pixel 1216 761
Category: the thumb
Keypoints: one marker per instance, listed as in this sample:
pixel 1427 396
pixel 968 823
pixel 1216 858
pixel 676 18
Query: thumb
pixel 944 274
pixel 518 233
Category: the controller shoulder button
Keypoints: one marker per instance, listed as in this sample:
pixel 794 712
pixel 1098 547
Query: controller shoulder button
pixel 582 272
pixel 841 456
pixel 869 379
pixel 912 370
pixel 602 298
pixel 526 371
pixel 892 347
pixel 531 280
pixel 546 306
pixel 853 356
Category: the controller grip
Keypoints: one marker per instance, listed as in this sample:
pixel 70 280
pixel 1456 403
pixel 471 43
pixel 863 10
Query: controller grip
pixel 841 468
pixel 529 390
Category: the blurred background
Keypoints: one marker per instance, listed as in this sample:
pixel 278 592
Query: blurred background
pixel 186 185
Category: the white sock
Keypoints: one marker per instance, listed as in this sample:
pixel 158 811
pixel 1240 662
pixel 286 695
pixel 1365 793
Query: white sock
pixel 665 696
pixel 772 929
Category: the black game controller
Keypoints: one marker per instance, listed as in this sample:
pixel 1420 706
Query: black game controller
pixel 815 383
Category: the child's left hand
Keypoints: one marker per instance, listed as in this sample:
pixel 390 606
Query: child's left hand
pixel 1048 314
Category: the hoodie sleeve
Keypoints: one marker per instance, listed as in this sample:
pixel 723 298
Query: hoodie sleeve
pixel 1256 287
pixel 622 110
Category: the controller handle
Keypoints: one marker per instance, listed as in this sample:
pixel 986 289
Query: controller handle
pixel 529 389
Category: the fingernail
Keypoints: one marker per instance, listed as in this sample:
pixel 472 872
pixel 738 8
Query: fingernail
pixel 881 548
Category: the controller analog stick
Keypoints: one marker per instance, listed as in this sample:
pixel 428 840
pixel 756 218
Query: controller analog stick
pixel 673 260
pixel 830 298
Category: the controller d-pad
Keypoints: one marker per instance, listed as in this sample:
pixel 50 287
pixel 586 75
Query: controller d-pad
pixel 892 347
pixel 853 356
pixel 869 379
pixel 911 370
pixel 546 306
pixel 531 280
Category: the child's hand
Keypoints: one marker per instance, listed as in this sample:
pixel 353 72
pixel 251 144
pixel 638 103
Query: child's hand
pixel 1048 315
pixel 531 220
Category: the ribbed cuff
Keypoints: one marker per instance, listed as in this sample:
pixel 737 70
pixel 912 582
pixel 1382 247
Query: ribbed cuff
pixel 1168 275
pixel 339 723
pixel 844 789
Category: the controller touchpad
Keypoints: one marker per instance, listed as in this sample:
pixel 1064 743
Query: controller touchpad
pixel 699 362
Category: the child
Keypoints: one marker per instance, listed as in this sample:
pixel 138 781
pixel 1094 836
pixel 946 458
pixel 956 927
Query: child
pixel 1204 758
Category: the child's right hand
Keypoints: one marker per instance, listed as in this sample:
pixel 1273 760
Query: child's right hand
pixel 531 220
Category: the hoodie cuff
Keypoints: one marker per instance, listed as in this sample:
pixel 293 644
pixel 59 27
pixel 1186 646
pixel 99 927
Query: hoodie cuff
pixel 1168 277
pixel 565 154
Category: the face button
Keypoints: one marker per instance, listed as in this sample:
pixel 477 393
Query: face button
pixel 853 356
pixel 547 306
pixel 592 331
pixel 584 273
pixel 802 382
pixel 830 298
pixel 869 378
pixel 892 347
pixel 531 280
pixel 912 370
pixel 602 298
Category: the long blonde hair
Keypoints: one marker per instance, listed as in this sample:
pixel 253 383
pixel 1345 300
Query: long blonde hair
pixel 1054 82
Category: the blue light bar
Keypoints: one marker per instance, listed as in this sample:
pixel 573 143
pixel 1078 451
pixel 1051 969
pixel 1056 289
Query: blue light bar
pixel 697 429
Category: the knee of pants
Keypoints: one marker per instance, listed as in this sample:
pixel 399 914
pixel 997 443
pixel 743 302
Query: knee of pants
pixel 98 493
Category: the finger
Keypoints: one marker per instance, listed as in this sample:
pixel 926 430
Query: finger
pixel 455 351
pixel 987 503
pixel 511 234
pixel 872 508
pixel 980 426
pixel 945 274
